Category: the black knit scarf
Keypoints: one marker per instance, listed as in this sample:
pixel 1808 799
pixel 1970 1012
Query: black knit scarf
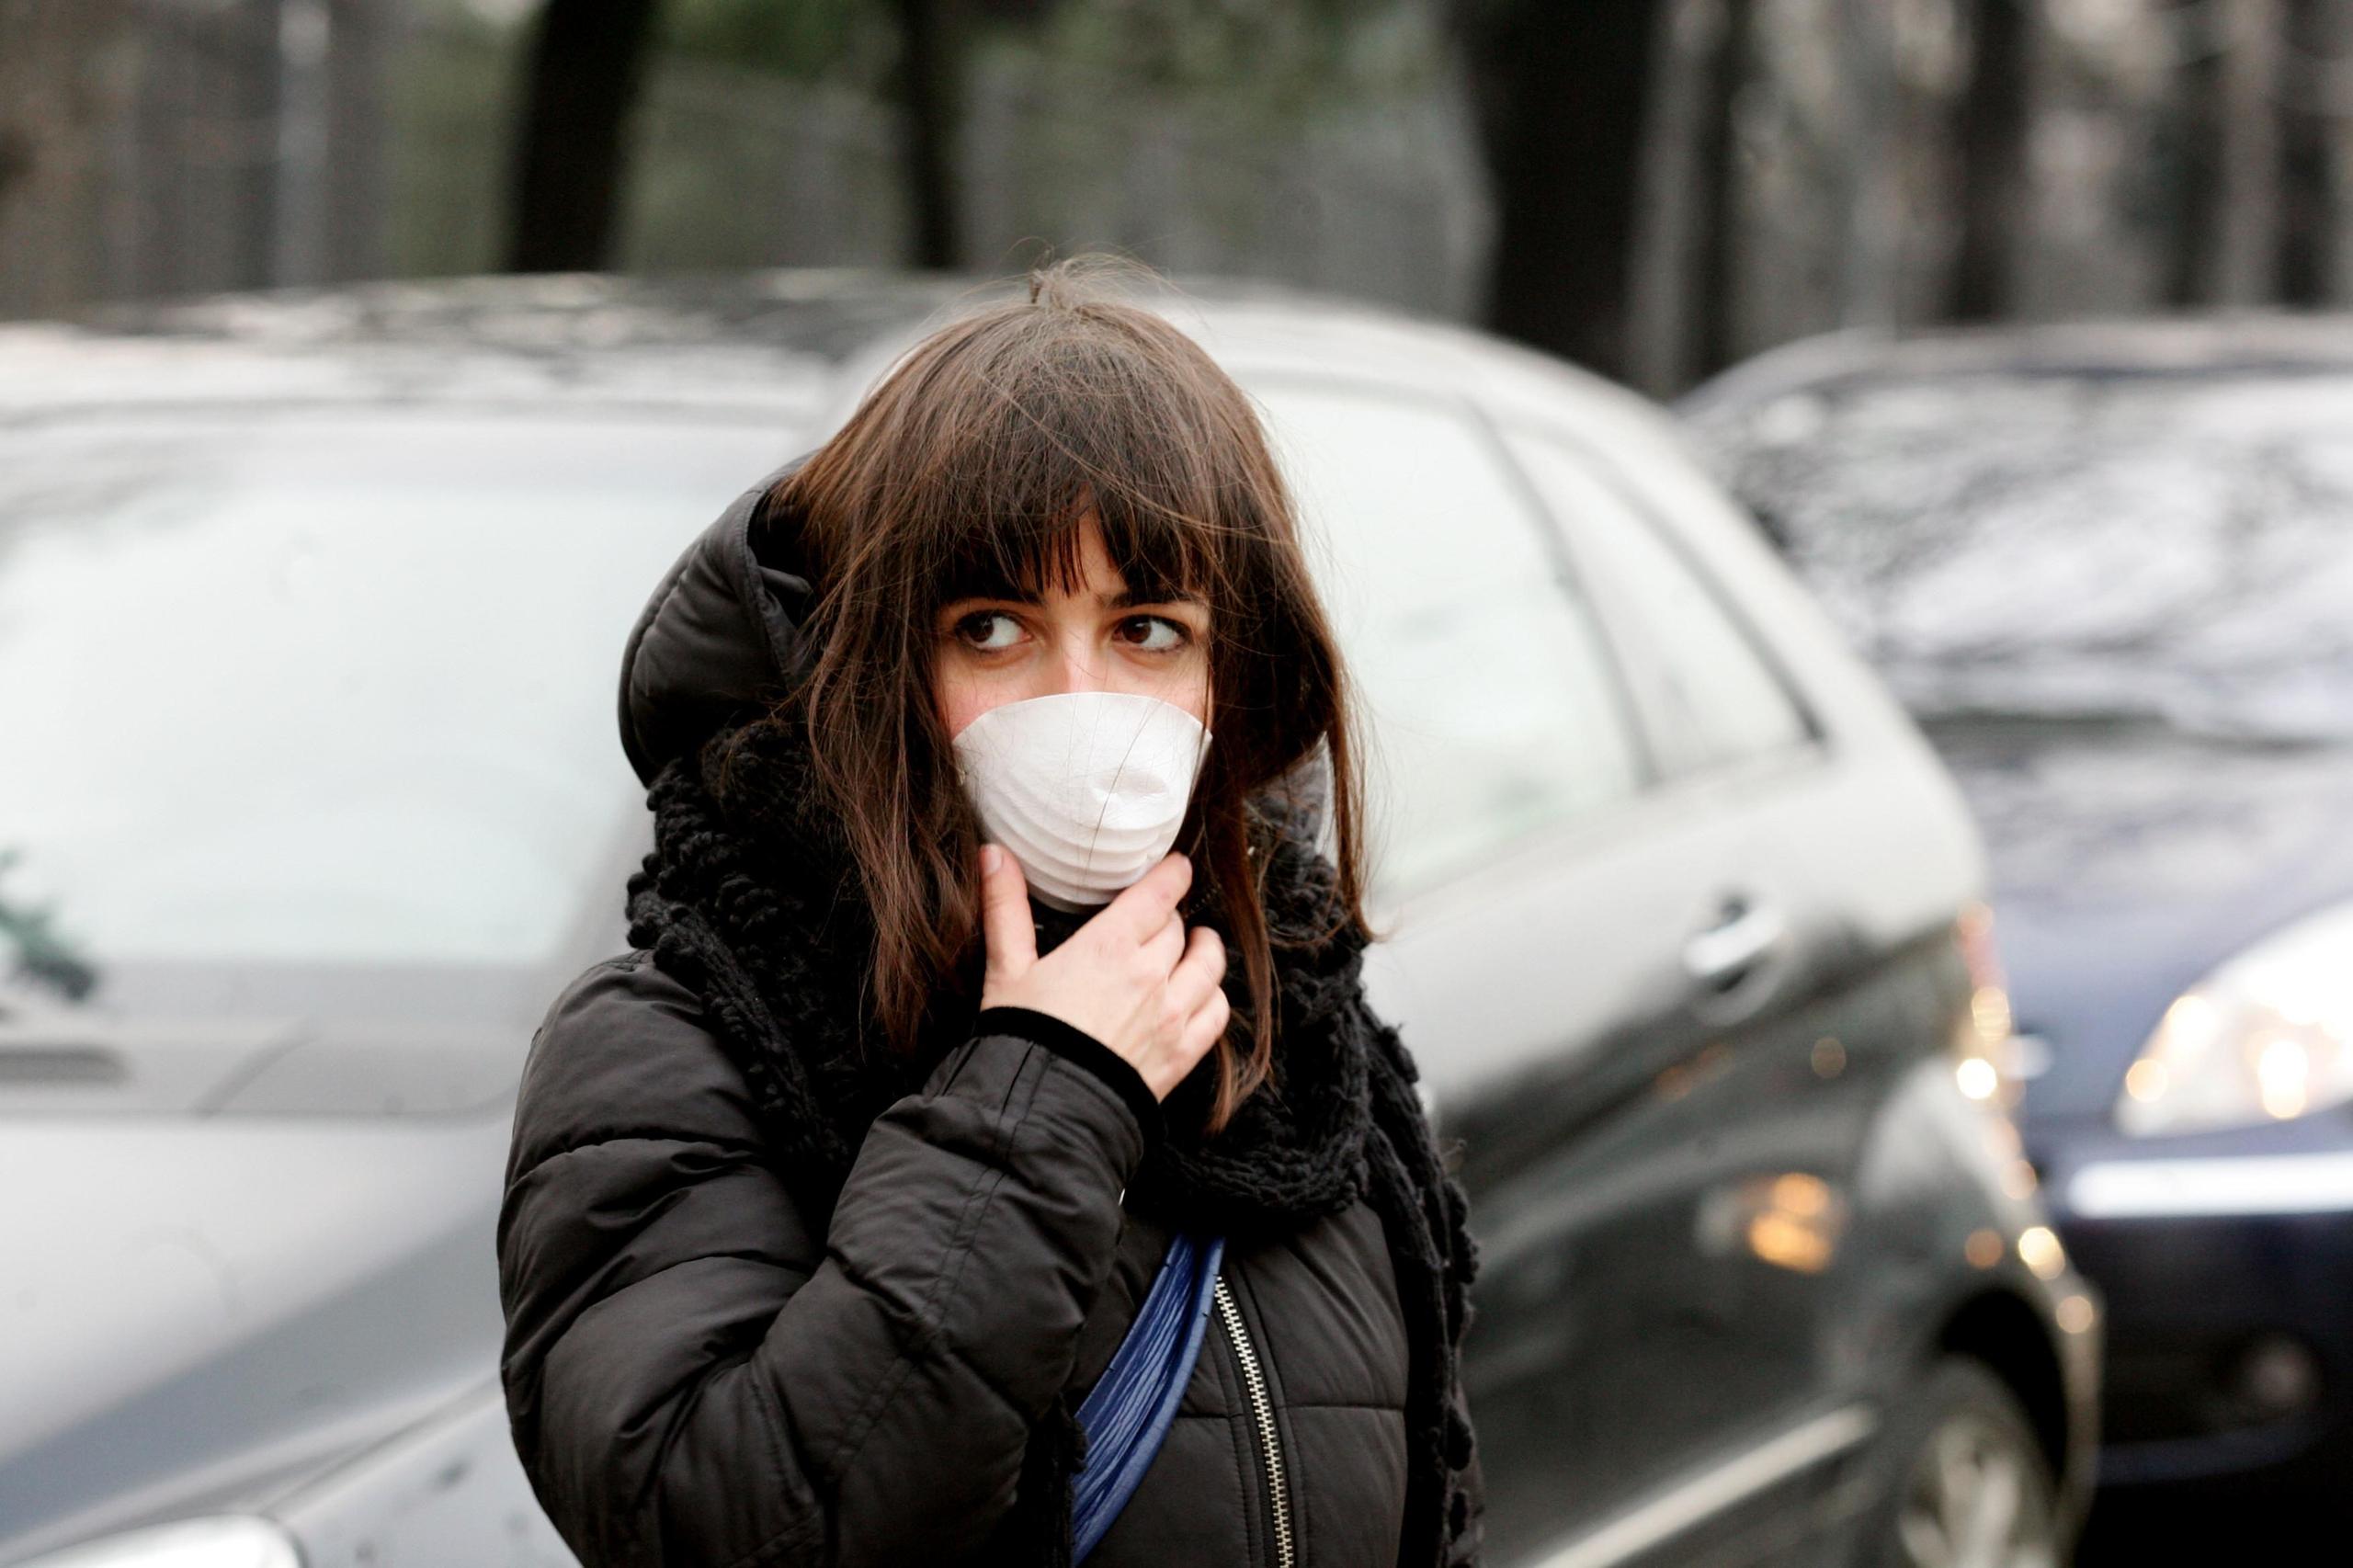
pixel 749 898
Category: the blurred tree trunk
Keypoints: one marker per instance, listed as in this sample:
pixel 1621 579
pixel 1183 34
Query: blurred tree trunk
pixel 1681 135
pixel 1868 179
pixel 305 44
pixel 1714 280
pixel 1992 138
pixel 2248 204
pixel 2306 261
pixel 67 77
pixel 182 157
pixel 2228 160
pixel 587 58
pixel 2196 113
pixel 1560 101
pixel 258 47
pixel 925 84
pixel 358 194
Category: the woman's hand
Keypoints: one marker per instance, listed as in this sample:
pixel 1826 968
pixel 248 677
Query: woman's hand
pixel 1133 977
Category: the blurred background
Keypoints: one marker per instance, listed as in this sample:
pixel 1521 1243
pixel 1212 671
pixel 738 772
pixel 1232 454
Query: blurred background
pixel 1652 187
pixel 1656 190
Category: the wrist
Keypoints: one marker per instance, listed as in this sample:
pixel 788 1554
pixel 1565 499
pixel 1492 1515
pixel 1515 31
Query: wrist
pixel 1082 1049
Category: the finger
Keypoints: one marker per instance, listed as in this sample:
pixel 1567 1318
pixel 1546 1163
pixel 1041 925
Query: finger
pixel 1206 1026
pixel 1168 945
pixel 1145 904
pixel 1198 972
pixel 1010 940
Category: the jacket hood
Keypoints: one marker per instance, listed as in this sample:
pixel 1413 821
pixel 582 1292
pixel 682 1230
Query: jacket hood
pixel 722 632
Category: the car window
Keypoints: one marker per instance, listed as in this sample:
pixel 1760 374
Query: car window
pixel 1712 696
pixel 335 688
pixel 2087 542
pixel 1494 709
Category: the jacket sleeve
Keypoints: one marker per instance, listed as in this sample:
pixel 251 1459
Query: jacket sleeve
pixel 693 1377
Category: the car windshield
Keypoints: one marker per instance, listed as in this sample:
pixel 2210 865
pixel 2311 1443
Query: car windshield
pixel 325 690
pixel 2174 545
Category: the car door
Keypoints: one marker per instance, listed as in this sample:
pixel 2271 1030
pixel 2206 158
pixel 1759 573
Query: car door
pixel 1546 867
pixel 1815 810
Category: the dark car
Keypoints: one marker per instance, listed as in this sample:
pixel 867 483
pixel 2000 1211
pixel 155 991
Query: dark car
pixel 2111 570
pixel 311 607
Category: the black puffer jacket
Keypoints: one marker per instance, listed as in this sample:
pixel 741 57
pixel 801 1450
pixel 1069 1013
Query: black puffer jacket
pixel 708 1364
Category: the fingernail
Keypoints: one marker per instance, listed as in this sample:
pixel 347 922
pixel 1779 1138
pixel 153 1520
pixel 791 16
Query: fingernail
pixel 989 853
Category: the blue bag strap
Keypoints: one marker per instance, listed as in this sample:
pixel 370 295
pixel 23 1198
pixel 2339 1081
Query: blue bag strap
pixel 1126 1414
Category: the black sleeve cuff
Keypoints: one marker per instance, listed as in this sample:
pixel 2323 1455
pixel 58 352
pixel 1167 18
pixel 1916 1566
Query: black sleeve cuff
pixel 1069 1041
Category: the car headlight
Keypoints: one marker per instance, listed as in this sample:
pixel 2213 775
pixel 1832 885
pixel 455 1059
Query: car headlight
pixel 2267 1037
pixel 229 1541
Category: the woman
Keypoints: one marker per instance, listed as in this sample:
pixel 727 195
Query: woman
pixel 830 1202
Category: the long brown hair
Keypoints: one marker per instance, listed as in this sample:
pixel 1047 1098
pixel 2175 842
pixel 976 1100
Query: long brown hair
pixel 966 471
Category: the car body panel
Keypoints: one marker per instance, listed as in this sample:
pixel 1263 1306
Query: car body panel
pixel 240 1297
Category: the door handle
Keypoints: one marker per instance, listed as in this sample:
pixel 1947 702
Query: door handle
pixel 1724 954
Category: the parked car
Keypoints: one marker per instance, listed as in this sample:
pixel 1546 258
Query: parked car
pixel 2110 568
pixel 311 607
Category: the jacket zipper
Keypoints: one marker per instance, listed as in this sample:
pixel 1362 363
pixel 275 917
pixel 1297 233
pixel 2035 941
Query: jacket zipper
pixel 1264 1410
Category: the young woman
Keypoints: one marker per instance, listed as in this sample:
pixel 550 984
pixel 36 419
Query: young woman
pixel 830 1202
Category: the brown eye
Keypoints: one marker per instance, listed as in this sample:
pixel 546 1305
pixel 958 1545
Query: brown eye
pixel 973 629
pixel 1168 635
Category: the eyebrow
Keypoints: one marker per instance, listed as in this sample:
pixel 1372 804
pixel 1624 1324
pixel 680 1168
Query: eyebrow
pixel 1125 598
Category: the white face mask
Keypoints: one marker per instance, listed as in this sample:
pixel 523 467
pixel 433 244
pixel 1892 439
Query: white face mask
pixel 1085 789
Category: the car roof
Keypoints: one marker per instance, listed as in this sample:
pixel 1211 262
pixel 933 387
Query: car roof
pixel 2234 343
pixel 776 343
